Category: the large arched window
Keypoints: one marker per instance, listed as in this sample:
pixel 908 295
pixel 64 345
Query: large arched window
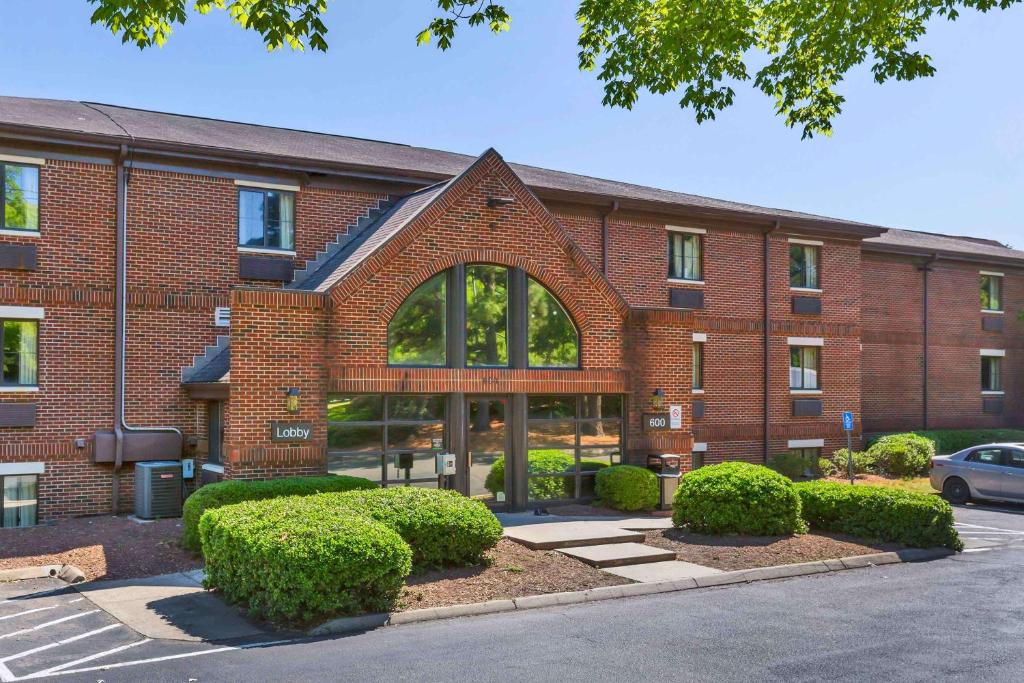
pixel 483 316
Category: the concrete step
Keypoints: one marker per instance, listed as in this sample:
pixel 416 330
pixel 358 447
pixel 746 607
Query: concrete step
pixel 672 570
pixel 554 535
pixel 619 554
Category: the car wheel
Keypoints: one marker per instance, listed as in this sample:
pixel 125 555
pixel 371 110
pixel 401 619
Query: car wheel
pixel 955 490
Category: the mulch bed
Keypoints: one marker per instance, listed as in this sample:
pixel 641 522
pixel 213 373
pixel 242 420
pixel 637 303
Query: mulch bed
pixel 513 571
pixel 747 552
pixel 104 547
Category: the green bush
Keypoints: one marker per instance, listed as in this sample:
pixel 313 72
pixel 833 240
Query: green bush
pixel 881 513
pixel 790 465
pixel 544 461
pixel 236 491
pixel 628 488
pixel 740 498
pixel 952 440
pixel 827 468
pixel 300 558
pixel 902 455
pixel 863 463
pixel 443 528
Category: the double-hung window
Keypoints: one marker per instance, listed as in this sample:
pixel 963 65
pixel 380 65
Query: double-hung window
pixel 19 504
pixel 804 367
pixel 266 219
pixel 991 378
pixel 991 292
pixel 698 366
pixel 19 193
pixel 19 340
pixel 684 255
pixel 804 262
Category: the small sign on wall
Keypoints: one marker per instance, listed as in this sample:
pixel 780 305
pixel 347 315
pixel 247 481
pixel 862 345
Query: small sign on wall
pixel 291 431
pixel 675 417
pixel 656 422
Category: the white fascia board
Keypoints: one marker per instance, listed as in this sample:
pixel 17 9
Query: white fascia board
pixel 700 337
pixel 806 341
pixel 810 243
pixel 17 159
pixel 806 443
pixel 700 447
pixel 683 228
pixel 16 468
pixel 995 353
pixel 260 185
pixel 22 312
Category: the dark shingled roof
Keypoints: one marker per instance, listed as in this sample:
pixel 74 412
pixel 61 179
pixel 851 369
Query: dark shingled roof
pixel 927 242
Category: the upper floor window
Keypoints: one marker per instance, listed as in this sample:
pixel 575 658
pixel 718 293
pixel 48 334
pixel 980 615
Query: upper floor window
pixel 266 219
pixel 19 190
pixel 497 301
pixel 991 373
pixel 803 265
pixel 19 340
pixel 804 367
pixel 698 366
pixel 991 292
pixel 684 255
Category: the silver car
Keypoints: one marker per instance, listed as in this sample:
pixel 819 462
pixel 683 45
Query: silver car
pixel 993 472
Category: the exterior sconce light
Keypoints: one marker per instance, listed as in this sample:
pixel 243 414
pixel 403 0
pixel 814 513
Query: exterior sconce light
pixel 292 400
pixel 658 398
pixel 495 202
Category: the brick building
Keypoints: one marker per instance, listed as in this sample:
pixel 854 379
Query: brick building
pixel 270 302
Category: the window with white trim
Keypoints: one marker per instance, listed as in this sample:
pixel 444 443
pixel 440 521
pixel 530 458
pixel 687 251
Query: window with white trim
pixel 991 373
pixel 266 219
pixel 991 292
pixel 19 340
pixel 19 194
pixel 20 502
pixel 804 367
pixel 803 266
pixel 684 256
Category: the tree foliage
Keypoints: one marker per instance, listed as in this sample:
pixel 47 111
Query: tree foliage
pixel 795 51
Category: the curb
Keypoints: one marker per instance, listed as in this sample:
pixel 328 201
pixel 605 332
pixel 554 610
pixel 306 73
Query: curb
pixel 368 622
pixel 67 572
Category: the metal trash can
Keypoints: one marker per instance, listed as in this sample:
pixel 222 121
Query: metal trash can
pixel 666 466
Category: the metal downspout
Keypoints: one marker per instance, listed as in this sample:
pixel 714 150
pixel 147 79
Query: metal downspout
pixel 604 236
pixel 925 268
pixel 767 340
pixel 121 427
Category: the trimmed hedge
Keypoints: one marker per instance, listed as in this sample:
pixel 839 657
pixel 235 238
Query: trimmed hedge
pixel 876 512
pixel 442 527
pixel 737 498
pixel 953 440
pixel 902 455
pixel 544 461
pixel 236 491
pixel 628 488
pixel 301 558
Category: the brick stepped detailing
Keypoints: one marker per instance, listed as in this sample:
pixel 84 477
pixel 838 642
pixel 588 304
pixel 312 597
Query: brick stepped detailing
pixel 618 554
pixel 347 238
pixel 211 366
pixel 549 536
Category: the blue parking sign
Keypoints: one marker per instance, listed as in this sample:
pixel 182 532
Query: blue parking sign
pixel 847 421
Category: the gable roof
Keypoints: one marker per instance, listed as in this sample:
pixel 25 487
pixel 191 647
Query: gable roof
pixel 927 243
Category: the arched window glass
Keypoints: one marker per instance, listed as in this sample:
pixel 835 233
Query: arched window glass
pixel 552 339
pixel 486 316
pixel 416 335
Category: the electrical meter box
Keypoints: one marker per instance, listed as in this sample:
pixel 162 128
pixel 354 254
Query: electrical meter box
pixel 188 468
pixel 444 464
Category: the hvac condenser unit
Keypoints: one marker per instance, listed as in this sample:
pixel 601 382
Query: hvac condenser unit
pixel 157 489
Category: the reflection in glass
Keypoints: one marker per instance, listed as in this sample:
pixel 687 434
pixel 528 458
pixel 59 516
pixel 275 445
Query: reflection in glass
pixel 551 407
pixel 416 407
pixel 414 437
pixel 600 433
pixel 341 437
pixel 21 197
pixel 486 446
pixel 486 316
pixel 416 335
pixel 551 433
pixel 552 338
pixel 405 466
pixel 19 503
pixel 366 466
pixel 368 408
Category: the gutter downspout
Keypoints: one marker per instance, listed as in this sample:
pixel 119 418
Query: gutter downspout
pixel 925 268
pixel 121 427
pixel 604 236
pixel 767 340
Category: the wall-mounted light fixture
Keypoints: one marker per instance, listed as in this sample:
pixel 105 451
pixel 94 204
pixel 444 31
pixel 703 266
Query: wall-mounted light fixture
pixel 495 202
pixel 658 398
pixel 292 399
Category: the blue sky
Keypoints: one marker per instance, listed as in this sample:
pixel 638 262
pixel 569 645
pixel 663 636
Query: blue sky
pixel 944 154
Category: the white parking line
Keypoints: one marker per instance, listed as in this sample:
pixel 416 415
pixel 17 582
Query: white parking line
pixel 989 528
pixel 48 623
pixel 28 611
pixel 50 646
pixel 83 660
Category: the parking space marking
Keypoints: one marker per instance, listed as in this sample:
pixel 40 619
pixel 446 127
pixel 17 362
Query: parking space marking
pixel 28 611
pixel 48 624
pixel 989 528
pixel 67 665
pixel 50 646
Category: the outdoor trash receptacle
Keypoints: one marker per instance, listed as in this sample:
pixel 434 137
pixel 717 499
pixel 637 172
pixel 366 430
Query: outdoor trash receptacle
pixel 667 468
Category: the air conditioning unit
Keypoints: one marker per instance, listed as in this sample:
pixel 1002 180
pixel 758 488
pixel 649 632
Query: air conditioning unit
pixel 158 489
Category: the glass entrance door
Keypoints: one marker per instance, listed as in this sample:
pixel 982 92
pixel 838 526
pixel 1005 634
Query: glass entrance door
pixel 487 449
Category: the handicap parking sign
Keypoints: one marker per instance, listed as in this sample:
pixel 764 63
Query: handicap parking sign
pixel 848 421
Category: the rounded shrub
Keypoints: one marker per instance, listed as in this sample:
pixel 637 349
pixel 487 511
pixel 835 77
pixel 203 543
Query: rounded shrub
pixel 739 498
pixel 301 558
pixel 627 488
pixel 233 491
pixel 540 462
pixel 903 455
pixel 442 527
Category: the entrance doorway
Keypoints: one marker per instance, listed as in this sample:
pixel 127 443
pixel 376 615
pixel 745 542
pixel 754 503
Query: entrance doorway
pixel 487 449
